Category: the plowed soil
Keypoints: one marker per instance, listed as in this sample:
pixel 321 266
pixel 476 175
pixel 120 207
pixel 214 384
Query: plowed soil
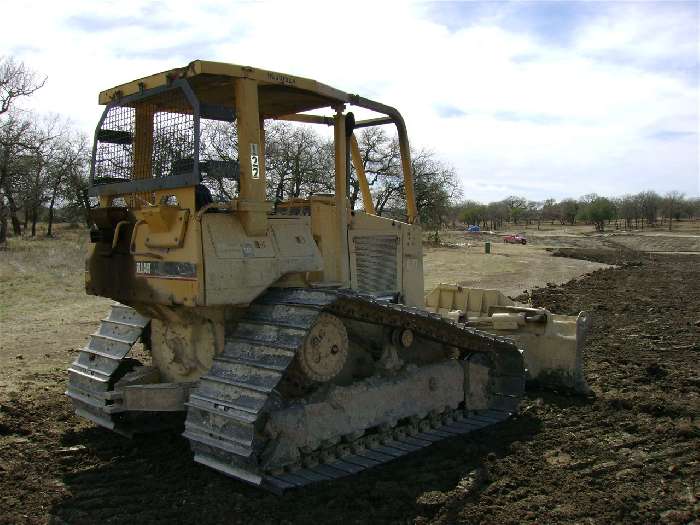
pixel 629 453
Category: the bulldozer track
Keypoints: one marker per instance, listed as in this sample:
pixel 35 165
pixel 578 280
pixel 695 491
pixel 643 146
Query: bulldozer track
pixel 228 408
pixel 99 364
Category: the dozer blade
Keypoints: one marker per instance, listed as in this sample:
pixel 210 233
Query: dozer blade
pixel 552 344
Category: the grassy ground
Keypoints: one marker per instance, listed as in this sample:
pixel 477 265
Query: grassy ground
pixel 44 312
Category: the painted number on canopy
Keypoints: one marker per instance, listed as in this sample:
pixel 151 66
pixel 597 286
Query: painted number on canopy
pixel 254 161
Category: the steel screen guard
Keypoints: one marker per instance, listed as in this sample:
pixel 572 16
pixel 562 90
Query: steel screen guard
pixel 151 140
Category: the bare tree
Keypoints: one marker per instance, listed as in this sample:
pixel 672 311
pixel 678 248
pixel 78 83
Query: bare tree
pixel 692 208
pixel 628 210
pixel 75 191
pixel 649 206
pixel 299 162
pixel 551 210
pixel 220 142
pixel 516 206
pixel 381 162
pixel 16 80
pixel 32 180
pixel 436 188
pixel 569 210
pixel 672 206
pixel 67 164
pixel 15 140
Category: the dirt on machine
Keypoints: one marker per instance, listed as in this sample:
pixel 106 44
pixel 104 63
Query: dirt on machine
pixel 295 339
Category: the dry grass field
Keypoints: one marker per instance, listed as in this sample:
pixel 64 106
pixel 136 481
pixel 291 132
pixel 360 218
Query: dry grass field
pixel 629 453
pixel 44 311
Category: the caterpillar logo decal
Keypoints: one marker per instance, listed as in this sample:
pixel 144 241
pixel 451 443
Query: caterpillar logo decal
pixel 167 270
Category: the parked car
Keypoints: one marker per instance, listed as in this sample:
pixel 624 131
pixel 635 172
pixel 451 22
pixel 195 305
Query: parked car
pixel 515 238
pixel 474 228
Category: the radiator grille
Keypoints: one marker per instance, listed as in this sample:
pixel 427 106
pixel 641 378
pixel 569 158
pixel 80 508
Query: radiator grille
pixel 375 262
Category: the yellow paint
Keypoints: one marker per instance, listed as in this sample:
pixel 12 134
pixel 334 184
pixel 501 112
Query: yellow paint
pixel 361 177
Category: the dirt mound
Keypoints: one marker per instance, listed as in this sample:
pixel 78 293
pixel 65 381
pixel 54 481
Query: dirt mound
pixel 627 454
pixel 617 256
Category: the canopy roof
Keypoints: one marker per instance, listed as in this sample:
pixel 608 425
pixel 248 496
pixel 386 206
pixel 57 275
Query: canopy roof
pixel 278 93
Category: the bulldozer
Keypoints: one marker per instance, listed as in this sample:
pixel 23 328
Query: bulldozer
pixel 294 337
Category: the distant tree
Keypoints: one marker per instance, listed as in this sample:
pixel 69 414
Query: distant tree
pixel 66 165
pixel 16 81
pixel 692 208
pixel 649 202
pixel 473 212
pixel 435 185
pixel 516 207
pixel 569 210
pixel 219 141
pixel 16 139
pixel 381 161
pixel 533 212
pixel 628 210
pixel 497 213
pixel 551 211
pixel 298 162
pixel 672 203
pixel 36 180
pixel 454 214
pixel 600 210
pixel 75 191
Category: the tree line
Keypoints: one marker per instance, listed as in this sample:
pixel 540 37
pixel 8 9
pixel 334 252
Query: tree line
pixel 45 161
pixel 644 209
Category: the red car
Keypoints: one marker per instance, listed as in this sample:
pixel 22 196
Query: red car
pixel 516 238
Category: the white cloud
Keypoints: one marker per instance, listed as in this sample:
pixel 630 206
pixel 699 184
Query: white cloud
pixel 512 112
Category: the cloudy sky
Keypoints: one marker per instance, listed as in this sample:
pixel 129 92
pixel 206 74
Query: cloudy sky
pixel 541 99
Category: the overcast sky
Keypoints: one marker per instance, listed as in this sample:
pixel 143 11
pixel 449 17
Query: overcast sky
pixel 540 99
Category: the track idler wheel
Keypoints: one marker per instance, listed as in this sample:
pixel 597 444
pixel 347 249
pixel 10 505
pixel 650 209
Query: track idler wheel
pixel 325 349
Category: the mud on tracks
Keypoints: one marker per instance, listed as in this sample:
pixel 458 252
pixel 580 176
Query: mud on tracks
pixel 627 454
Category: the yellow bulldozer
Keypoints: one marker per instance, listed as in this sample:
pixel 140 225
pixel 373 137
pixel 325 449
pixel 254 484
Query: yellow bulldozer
pixel 297 340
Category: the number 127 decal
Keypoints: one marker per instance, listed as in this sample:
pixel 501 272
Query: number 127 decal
pixel 254 161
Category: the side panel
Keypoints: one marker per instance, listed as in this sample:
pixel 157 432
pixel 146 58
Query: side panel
pixel 144 272
pixel 386 256
pixel 238 267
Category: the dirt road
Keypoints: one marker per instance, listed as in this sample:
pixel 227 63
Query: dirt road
pixel 630 453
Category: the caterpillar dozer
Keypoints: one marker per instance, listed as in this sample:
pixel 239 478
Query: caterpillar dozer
pixel 295 338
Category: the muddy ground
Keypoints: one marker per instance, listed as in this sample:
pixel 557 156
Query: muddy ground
pixel 629 453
